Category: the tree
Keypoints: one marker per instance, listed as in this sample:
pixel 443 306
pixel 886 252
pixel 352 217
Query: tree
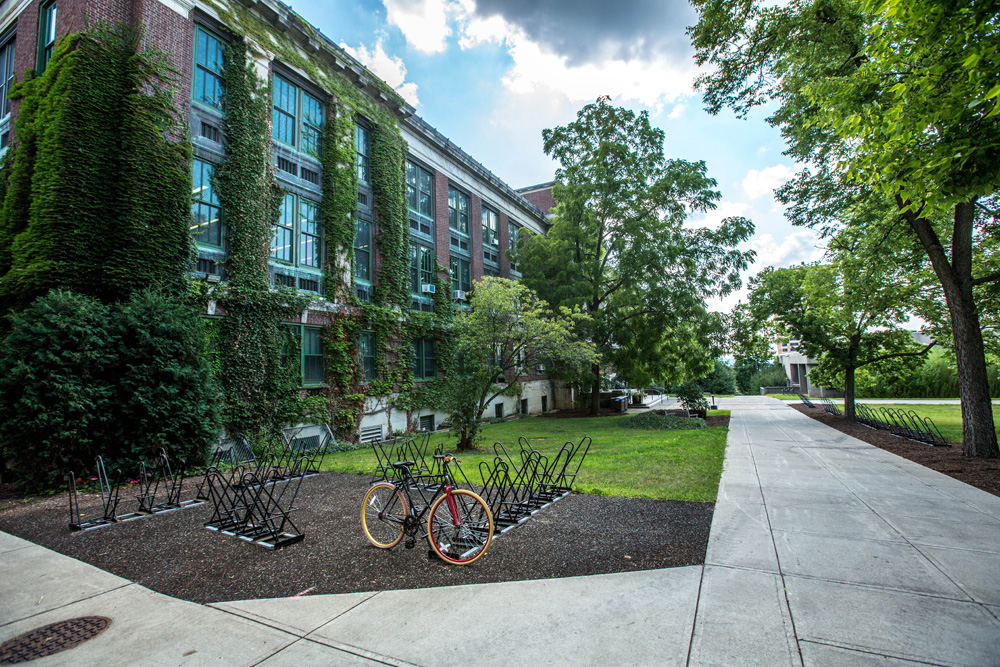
pixel 506 331
pixel 618 248
pixel 847 314
pixel 749 343
pixel 898 99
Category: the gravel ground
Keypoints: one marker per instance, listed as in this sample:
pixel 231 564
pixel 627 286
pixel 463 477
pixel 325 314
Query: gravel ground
pixel 981 473
pixel 172 553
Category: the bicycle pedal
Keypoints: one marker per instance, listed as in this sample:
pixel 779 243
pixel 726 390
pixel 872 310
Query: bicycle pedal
pixel 410 544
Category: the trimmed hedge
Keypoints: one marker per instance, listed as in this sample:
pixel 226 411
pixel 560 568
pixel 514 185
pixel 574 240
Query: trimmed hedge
pixel 79 378
pixel 651 421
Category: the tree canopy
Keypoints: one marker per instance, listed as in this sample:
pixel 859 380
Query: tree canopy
pixel 889 103
pixel 618 248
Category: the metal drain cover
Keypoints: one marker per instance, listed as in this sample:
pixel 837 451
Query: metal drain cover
pixel 52 638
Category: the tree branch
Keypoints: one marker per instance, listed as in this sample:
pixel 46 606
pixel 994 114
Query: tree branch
pixel 986 279
pixel 898 354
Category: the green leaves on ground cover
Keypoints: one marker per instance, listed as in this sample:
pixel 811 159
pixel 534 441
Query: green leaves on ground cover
pixel 651 421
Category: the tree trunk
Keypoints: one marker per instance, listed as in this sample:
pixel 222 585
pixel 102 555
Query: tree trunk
pixel 595 391
pixel 849 372
pixel 979 436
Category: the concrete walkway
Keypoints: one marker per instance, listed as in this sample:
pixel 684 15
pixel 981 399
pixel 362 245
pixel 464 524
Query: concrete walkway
pixel 824 551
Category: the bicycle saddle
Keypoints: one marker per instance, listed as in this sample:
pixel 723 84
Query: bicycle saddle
pixel 402 464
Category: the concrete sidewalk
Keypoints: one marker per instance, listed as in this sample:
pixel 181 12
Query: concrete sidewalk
pixel 824 551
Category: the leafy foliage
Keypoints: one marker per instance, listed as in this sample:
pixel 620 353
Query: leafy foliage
pixel 79 379
pixel 618 247
pixel 692 397
pixel 722 379
pixel 651 421
pixel 506 331
pixel 99 189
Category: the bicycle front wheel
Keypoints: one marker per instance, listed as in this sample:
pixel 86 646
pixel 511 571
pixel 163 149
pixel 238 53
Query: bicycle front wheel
pixel 382 515
pixel 460 527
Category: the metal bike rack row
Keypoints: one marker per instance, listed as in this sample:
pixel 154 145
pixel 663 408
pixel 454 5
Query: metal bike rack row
pixel 146 498
pixel 388 452
pixel 806 401
pixel 905 424
pixel 254 504
pixel 829 407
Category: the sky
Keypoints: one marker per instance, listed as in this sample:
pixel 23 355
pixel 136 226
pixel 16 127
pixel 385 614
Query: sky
pixel 492 74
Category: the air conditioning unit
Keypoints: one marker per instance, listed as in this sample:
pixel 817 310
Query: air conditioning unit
pixel 427 289
pixel 458 295
pixel 213 278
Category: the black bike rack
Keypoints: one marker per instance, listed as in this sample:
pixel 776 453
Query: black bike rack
pixel 806 401
pixel 829 407
pixel 109 489
pixel 254 504
pixel 904 424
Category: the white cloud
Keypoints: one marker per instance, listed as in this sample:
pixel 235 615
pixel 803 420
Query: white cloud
pixel 759 183
pixel 424 23
pixel 677 111
pixel 800 246
pixel 427 24
pixel 389 69
pixel 713 219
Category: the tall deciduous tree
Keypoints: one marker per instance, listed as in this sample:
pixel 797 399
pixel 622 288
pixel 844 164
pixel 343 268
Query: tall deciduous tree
pixel 506 331
pixel 619 249
pixel 890 98
pixel 749 343
pixel 847 314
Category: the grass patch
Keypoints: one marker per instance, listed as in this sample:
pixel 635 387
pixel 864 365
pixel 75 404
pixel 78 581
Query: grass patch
pixel 785 397
pixel 948 418
pixel 668 465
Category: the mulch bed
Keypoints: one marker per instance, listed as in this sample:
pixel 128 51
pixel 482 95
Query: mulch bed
pixel 174 554
pixel 981 473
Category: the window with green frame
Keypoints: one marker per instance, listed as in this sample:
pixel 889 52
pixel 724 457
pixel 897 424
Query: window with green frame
pixel 296 117
pixel 312 355
pixel 46 34
pixel 366 351
pixel 458 211
pixel 298 225
pixel 423 359
pixel 491 236
pixel 208 53
pixel 513 235
pixel 363 250
pixel 461 275
pixel 421 268
pixel 6 81
pixel 420 198
pixel 206 209
pixel 363 151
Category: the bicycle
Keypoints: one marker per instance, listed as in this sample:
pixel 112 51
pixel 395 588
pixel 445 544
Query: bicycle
pixel 459 525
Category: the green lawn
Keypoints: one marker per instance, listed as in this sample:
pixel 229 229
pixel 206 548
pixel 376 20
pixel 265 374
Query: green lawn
pixel 669 465
pixel 948 418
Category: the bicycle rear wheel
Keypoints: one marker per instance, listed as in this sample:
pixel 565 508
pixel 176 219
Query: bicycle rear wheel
pixel 382 514
pixel 460 532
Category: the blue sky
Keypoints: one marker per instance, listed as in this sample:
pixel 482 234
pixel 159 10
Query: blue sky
pixel 491 74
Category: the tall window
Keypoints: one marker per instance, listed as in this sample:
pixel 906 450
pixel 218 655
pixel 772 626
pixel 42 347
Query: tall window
pixel 423 359
pixel 312 355
pixel 206 209
pixel 46 34
pixel 420 198
pixel 461 275
pixel 298 225
pixel 421 268
pixel 491 236
pixel 6 81
pixel 363 251
pixel 513 236
pixel 458 211
pixel 208 51
pixel 296 117
pixel 363 150
pixel 366 350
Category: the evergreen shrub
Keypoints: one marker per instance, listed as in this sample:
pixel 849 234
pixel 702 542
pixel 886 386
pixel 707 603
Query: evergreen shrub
pixel 79 378
pixel 651 421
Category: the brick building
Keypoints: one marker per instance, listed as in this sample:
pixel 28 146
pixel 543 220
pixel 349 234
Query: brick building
pixel 460 214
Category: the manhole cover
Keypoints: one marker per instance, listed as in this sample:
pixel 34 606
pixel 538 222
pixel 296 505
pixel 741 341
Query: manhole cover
pixel 53 638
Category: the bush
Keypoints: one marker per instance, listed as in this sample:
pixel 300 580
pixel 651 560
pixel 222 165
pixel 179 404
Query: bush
pixel 80 379
pixel 653 422
pixel 722 379
pixel 692 398
pixel 770 376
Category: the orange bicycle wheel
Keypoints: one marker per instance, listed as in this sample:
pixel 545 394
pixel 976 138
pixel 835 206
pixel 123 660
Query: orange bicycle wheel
pixel 382 515
pixel 460 532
